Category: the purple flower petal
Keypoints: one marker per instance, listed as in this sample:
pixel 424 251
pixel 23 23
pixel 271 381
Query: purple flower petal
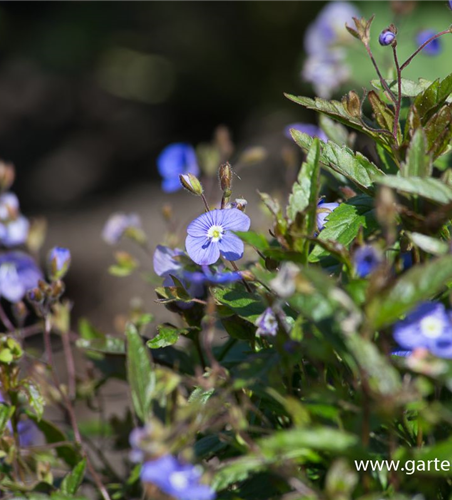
pixel 200 226
pixel 202 250
pixel 235 220
pixel 231 247
pixel 164 261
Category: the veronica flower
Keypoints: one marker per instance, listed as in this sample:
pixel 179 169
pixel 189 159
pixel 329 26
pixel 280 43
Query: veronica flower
pixel 59 261
pixel 9 206
pixel 117 224
pixel 207 277
pixel 14 232
pixel 386 37
pixel 178 480
pixel 434 47
pixel 324 43
pixel 429 326
pixel 306 128
pixel 18 274
pixel 266 323
pixel 175 160
pixel 366 259
pixel 323 211
pixel 210 235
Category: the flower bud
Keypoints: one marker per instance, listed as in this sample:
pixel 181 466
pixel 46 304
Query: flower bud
pixel 57 289
pixel 240 204
pixel 7 175
pixel 59 261
pixel 35 295
pixel 387 37
pixel 191 184
pixel 225 176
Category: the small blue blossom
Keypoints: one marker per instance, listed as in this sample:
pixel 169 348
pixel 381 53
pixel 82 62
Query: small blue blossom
pixel 366 259
pixel 27 430
pixel 18 274
pixel 9 206
pixel 14 232
pixel 175 160
pixel 266 323
pixel 407 260
pixel 117 224
pixel 434 47
pixel 306 128
pixel 323 211
pixel 207 277
pixel 401 353
pixel 59 261
pixel 429 326
pixel 178 480
pixel 386 37
pixel 210 235
pixel 324 43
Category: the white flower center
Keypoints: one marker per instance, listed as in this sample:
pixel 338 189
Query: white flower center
pixel 431 327
pixel 179 480
pixel 215 233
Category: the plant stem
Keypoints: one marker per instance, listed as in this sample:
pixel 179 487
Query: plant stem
pixel 399 91
pixel 234 265
pixel 377 69
pixel 205 202
pixel 416 52
pixel 70 409
pixel 5 320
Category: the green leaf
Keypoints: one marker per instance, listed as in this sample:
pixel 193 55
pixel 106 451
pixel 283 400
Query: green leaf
pixel 439 131
pixel 167 335
pixel 354 166
pixel 409 88
pixel 418 162
pixel 73 479
pixel 433 97
pixel 344 223
pixel 247 305
pixel 254 239
pixel 334 131
pixel 34 397
pixel 6 412
pixel 305 190
pixel 429 188
pixel 106 345
pixel 335 110
pixel 420 283
pixel 140 374
pixel 429 244
pixel 383 114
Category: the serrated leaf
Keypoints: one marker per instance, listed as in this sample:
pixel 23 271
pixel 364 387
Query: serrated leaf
pixel 305 190
pixel 73 479
pixel 354 166
pixel 167 335
pixel 344 223
pixel 420 283
pixel 383 114
pixel 139 373
pixel 335 132
pixel 429 188
pixel 438 131
pixel 418 163
pixel 247 305
pixel 429 244
pixel 433 97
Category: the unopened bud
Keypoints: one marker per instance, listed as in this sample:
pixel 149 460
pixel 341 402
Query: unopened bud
pixel 167 212
pixel 58 262
pixel 240 204
pixel 191 184
pixel 7 175
pixel 352 104
pixel 225 176
pixel 388 36
pixel 57 289
pixel 247 275
pixel 20 312
pixel 35 295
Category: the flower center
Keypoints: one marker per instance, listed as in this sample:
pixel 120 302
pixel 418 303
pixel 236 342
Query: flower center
pixel 215 233
pixel 179 480
pixel 431 327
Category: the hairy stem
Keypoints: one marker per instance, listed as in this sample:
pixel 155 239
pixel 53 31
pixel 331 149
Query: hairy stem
pixel 377 69
pixel 399 91
pixel 416 52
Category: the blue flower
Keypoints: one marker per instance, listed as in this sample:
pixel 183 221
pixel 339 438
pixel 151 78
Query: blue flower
pixel 174 160
pixel 14 232
pixel 434 47
pixel 18 274
pixel 407 260
pixel 206 276
pixel 178 480
pixel 401 354
pixel 210 235
pixel 429 326
pixel 386 37
pixel 26 429
pixel 59 261
pixel 266 323
pixel 366 259
pixel 306 128
pixel 117 224
pixel 9 206
pixel 324 43
pixel 323 211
